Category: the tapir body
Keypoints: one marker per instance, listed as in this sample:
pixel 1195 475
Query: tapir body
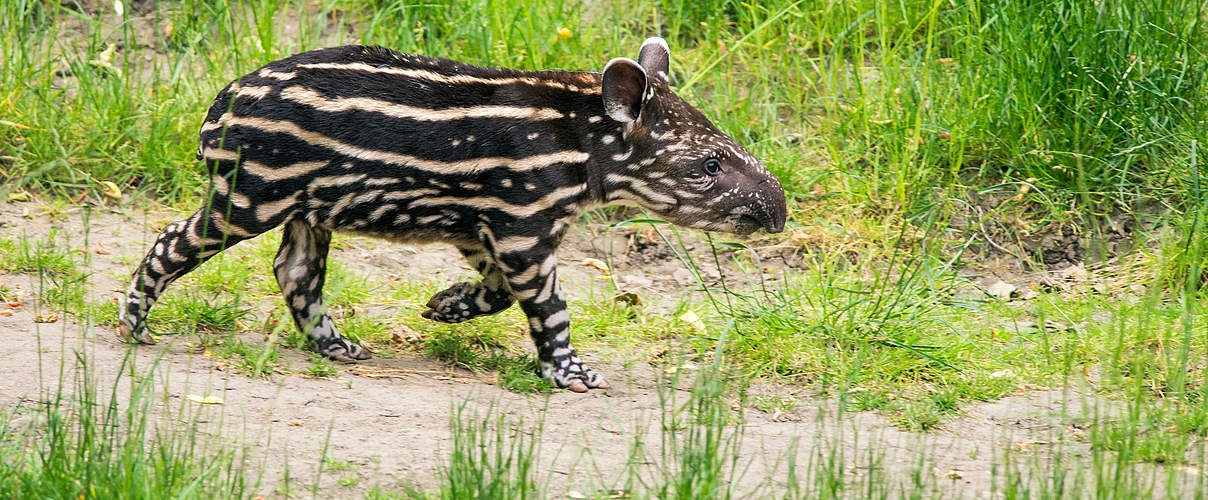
pixel 496 162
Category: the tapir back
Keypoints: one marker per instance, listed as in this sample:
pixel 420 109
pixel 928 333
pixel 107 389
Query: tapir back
pixel 368 139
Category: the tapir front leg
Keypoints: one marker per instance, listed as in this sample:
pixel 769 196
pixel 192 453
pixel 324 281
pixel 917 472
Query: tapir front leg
pixel 533 278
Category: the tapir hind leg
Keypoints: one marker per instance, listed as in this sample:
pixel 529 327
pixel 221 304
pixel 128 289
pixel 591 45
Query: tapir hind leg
pixel 301 267
pixel 181 247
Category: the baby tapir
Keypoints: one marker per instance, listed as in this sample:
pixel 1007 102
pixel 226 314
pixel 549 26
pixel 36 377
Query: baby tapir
pixel 496 162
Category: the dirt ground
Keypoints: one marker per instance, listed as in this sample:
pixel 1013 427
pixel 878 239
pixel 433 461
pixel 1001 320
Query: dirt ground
pixel 394 426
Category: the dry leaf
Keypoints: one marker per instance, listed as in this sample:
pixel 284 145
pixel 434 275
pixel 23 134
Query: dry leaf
pixel 628 298
pixel 800 238
pixel 295 423
pixel 207 400
pixel 403 336
pixel 692 319
pixel 104 60
pixel 1027 445
pixel 6 312
pixel 100 249
pixel 46 318
pixel 598 264
pixel 647 233
pixel 1074 273
pixel 656 352
pixel 111 190
pixel 673 369
pixel 1001 290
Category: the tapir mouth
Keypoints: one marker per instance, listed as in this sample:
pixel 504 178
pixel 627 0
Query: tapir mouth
pixel 746 224
pixel 757 219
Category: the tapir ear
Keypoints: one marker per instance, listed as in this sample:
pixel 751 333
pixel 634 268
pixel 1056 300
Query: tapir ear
pixel 623 89
pixel 655 57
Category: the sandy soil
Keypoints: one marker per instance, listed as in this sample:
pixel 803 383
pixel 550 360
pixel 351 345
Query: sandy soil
pixel 390 417
pixel 395 429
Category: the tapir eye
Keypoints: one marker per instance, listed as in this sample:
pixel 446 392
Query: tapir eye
pixel 712 166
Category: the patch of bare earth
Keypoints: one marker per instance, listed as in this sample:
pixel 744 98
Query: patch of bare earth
pixel 390 417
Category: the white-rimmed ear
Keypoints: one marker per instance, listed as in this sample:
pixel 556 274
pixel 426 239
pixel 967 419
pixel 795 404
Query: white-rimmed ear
pixel 623 89
pixel 655 57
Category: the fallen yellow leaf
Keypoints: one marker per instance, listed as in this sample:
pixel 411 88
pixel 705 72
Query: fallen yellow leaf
pixel 692 319
pixel 207 400
pixel 111 190
pixel 596 263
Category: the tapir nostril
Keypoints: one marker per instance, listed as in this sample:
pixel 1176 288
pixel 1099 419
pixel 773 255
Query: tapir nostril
pixel 772 215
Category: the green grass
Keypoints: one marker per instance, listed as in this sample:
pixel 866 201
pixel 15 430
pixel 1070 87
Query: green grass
pixel 1094 106
pixel 95 444
pixel 320 366
pixel 59 280
pixel 492 457
pixel 480 350
pixel 252 359
pixel 86 436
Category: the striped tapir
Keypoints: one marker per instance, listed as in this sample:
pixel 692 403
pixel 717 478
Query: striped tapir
pixel 496 162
